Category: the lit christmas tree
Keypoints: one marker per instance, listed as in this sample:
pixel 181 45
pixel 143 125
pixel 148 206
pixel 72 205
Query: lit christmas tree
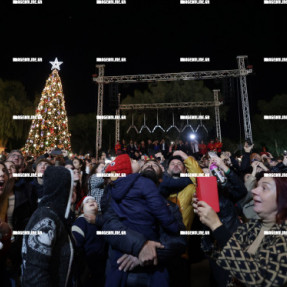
pixel 49 129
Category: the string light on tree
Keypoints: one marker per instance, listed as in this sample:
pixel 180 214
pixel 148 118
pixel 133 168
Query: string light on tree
pixel 51 130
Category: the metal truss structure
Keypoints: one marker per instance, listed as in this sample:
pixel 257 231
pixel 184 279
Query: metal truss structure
pixel 244 97
pixel 206 104
pixel 217 116
pixel 117 124
pixel 100 109
pixel 165 106
pixel 185 76
pixel 241 72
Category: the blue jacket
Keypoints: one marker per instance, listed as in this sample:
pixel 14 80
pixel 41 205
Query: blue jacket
pixel 138 202
pixel 170 185
pixel 86 237
pixel 90 252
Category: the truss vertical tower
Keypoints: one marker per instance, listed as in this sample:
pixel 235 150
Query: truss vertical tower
pixel 100 108
pixel 217 116
pixel 244 96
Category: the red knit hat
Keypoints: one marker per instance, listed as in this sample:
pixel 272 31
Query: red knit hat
pixel 121 164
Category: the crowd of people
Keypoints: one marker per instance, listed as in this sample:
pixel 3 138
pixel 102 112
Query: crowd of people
pixel 191 147
pixel 129 220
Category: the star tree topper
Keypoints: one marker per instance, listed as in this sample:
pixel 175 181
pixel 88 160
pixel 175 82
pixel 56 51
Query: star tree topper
pixel 56 64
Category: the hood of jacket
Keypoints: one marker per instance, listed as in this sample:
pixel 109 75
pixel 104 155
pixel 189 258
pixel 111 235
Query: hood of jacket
pixel 57 190
pixel 122 186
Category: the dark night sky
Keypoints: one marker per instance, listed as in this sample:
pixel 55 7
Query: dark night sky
pixel 152 35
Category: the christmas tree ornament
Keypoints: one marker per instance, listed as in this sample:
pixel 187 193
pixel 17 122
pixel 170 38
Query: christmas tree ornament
pixel 56 65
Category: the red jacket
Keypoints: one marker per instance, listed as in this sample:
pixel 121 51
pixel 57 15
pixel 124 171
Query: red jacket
pixel 218 146
pixel 118 147
pixel 211 146
pixel 202 149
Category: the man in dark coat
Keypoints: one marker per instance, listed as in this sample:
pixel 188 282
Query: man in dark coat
pixel 47 251
pixel 137 201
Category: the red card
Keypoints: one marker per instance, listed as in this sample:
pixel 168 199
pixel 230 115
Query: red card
pixel 207 191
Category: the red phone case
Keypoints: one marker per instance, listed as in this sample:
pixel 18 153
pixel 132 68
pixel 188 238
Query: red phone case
pixel 207 191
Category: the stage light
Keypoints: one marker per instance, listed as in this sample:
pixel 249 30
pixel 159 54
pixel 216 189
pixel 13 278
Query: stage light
pixel 192 136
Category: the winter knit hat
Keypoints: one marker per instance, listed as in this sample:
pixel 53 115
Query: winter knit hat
pixel 86 198
pixel 121 164
pixel 81 203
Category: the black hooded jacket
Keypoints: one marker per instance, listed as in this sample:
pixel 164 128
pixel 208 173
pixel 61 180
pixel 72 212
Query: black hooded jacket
pixel 47 251
pixel 228 215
